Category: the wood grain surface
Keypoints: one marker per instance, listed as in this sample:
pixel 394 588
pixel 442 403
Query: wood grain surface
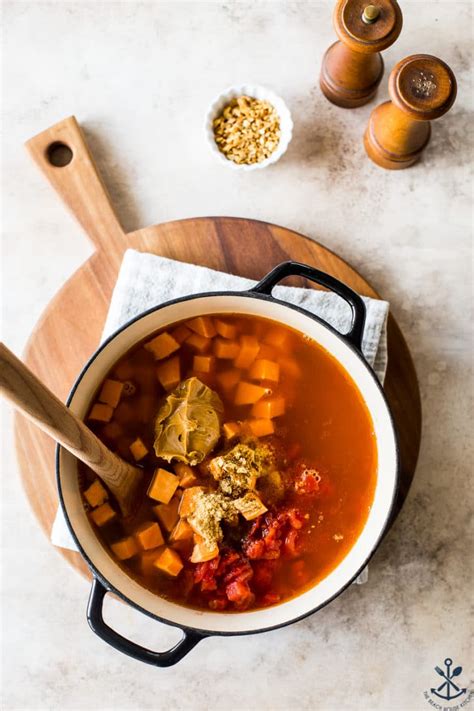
pixel 70 328
pixel 421 88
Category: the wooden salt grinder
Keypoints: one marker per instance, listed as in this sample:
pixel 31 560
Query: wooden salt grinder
pixel 353 67
pixel 422 88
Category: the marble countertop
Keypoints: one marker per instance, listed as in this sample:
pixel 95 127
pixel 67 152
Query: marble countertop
pixel 139 76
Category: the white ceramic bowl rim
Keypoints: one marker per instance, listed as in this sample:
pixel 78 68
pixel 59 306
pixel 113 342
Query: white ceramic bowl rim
pixel 211 623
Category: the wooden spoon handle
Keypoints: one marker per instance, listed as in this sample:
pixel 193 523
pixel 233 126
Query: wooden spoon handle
pixel 19 385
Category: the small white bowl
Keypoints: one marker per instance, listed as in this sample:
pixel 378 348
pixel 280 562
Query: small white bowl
pixel 257 92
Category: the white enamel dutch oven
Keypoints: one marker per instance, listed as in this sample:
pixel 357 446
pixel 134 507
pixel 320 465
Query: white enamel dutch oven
pixel 197 624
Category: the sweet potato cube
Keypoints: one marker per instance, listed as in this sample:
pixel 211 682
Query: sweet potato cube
pixel 112 430
pixel 96 494
pixel 162 345
pixel 188 501
pixel 103 515
pixel 248 393
pixel 268 352
pixel 269 408
pixel 203 326
pixel 249 349
pixel 278 338
pixel 111 392
pixel 162 486
pixel 289 366
pixel 168 513
pixel 225 329
pixel 169 562
pixel 123 370
pixel 125 548
pixel 169 373
pixel 228 379
pixel 231 430
pixel 138 449
pixel 181 532
pixel 101 412
pixel 181 333
pixel 146 561
pixel 263 369
pixel 226 350
pixel 149 535
pixel 198 343
pixel 186 475
pixel 202 551
pixel 260 427
pixel 203 363
pixel 250 506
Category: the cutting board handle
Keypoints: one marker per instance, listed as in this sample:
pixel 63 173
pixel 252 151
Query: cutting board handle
pixel 62 154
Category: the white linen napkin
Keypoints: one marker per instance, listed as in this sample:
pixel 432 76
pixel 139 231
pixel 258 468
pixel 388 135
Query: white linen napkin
pixel 146 280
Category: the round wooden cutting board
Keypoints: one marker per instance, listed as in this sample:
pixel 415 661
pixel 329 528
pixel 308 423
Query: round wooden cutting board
pixel 70 328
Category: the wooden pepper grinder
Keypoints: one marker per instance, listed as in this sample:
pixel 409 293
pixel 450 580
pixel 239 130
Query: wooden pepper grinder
pixel 353 67
pixel 422 88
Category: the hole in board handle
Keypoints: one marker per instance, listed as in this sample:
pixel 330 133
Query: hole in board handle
pixel 59 154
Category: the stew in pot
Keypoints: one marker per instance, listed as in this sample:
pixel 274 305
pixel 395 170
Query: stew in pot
pixel 260 462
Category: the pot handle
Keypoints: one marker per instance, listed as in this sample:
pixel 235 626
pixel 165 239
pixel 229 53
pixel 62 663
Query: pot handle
pixel 158 659
pixel 286 269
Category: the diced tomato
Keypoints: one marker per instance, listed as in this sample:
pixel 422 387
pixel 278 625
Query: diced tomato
pixel 306 480
pixel 270 599
pixel 291 545
pixel 263 571
pixel 299 573
pixel 240 594
pixel 218 603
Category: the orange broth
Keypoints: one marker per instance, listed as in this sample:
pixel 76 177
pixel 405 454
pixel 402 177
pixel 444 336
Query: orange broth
pixel 326 428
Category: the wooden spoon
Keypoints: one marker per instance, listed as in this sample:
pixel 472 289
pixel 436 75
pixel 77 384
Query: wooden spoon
pixel 19 385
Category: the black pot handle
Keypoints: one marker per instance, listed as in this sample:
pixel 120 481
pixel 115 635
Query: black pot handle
pixel 286 269
pixel 102 630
